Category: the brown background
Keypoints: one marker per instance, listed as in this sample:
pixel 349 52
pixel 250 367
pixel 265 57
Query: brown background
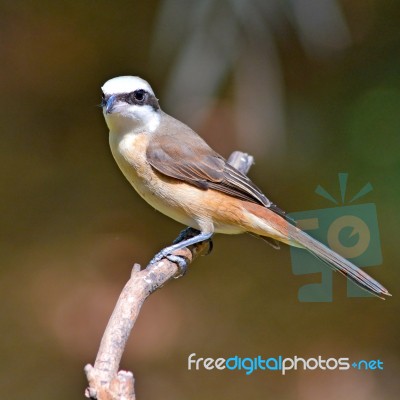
pixel 328 98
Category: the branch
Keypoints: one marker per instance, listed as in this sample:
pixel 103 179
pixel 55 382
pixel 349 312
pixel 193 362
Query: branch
pixel 105 382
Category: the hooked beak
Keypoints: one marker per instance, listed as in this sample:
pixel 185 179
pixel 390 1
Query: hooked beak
pixel 110 103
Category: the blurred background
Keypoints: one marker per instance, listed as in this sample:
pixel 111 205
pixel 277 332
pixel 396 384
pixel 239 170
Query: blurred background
pixel 310 88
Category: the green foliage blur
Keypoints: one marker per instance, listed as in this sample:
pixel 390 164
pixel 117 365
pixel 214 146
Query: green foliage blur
pixel 72 227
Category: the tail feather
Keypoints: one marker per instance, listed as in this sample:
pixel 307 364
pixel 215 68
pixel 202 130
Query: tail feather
pixel 264 222
pixel 338 263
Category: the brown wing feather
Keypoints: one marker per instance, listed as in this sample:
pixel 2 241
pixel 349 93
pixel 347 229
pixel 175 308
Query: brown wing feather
pixel 183 155
pixel 192 163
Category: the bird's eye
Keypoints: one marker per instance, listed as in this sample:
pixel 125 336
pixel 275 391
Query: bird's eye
pixel 103 99
pixel 139 95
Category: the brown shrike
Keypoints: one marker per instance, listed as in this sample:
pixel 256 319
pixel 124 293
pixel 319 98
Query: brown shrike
pixel 177 173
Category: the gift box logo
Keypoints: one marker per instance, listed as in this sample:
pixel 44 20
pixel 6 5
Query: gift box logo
pixel 350 230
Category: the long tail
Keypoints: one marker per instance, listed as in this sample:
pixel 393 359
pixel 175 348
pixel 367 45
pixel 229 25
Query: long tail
pixel 264 222
pixel 338 263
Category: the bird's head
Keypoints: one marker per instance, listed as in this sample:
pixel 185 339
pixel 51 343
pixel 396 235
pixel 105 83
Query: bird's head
pixel 129 104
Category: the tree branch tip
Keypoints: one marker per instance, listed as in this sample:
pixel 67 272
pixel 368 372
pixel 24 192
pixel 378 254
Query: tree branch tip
pixel 90 392
pixel 125 374
pixel 135 269
pixel 90 372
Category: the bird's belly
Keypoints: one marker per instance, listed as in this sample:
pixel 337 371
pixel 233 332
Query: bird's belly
pixel 186 204
pixel 182 202
pixel 160 195
pixel 165 201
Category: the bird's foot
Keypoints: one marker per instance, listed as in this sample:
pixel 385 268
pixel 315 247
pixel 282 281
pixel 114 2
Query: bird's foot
pixel 195 237
pixel 181 261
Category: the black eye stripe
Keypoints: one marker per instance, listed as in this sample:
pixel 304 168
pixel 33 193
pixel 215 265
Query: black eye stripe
pixel 138 97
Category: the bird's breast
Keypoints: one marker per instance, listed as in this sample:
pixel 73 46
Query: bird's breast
pixel 129 152
pixel 165 194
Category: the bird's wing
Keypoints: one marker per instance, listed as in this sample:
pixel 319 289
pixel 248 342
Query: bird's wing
pixel 187 157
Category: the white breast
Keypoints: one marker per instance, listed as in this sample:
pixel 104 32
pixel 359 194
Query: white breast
pixel 129 152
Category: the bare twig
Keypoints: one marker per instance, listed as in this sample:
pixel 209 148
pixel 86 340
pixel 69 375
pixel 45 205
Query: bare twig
pixel 105 382
pixel 241 161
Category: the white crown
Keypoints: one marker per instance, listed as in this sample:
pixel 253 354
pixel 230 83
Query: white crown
pixel 125 84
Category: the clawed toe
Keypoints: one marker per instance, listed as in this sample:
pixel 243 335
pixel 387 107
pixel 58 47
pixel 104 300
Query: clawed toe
pixel 179 260
pixel 182 264
pixel 158 257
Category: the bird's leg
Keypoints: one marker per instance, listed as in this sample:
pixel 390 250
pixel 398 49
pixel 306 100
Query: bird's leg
pixel 186 234
pixel 189 233
pixel 181 261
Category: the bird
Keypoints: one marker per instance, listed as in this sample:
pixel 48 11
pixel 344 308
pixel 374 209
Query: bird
pixel 174 170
